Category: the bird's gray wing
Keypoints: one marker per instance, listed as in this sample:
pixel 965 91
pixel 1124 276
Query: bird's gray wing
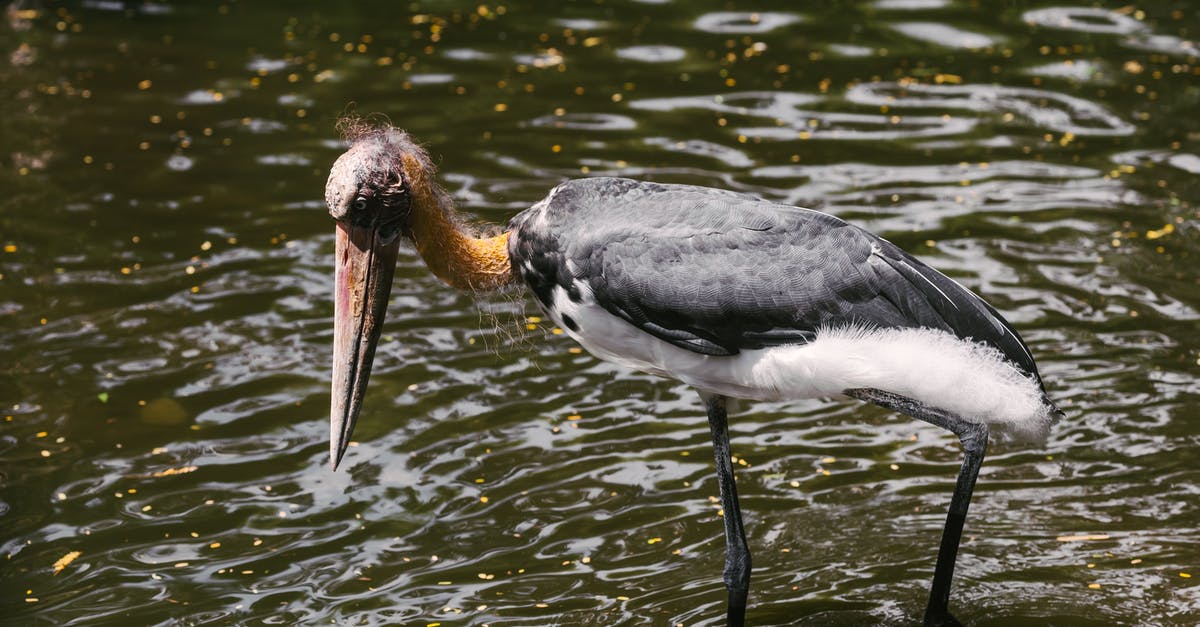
pixel 716 272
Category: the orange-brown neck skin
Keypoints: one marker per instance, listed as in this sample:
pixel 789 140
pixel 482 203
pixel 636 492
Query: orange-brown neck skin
pixel 453 254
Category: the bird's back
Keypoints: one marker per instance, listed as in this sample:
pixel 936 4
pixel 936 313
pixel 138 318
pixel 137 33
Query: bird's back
pixel 717 272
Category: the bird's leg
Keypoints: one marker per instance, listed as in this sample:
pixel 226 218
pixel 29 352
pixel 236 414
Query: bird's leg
pixel 737 554
pixel 974 439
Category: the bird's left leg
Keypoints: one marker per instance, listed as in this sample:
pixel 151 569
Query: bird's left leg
pixel 974 439
pixel 737 554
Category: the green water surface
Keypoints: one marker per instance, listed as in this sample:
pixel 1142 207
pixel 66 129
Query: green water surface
pixel 165 313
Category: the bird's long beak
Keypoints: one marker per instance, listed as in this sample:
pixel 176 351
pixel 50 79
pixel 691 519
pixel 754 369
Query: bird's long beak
pixel 364 269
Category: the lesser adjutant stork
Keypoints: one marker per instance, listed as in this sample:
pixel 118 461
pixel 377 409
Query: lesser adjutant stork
pixel 736 296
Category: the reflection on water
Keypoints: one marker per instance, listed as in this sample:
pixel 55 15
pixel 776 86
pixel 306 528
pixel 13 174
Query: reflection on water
pixel 165 315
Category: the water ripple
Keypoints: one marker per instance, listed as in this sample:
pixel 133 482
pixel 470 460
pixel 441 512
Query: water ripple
pixel 791 121
pixel 943 35
pixel 587 121
pixel 1050 110
pixel 1084 19
pixel 652 54
pixel 744 23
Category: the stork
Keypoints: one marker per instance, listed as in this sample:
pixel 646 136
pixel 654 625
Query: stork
pixel 733 295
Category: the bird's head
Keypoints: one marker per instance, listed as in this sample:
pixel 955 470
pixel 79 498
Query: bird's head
pixel 373 190
pixel 370 185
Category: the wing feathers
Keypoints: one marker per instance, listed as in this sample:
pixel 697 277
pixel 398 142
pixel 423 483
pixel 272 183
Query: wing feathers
pixel 716 272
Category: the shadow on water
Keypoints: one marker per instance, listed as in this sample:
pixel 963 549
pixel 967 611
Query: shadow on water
pixel 165 313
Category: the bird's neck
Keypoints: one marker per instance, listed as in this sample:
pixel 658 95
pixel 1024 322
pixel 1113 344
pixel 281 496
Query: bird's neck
pixel 454 253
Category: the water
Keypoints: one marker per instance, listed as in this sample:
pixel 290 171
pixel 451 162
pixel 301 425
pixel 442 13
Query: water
pixel 165 313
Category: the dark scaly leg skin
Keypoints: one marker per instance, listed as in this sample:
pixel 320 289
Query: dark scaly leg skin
pixel 974 439
pixel 737 554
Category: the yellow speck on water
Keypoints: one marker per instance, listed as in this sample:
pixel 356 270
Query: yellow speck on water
pixel 500 107
pixel 794 483
pixel 1136 561
pixel 1185 575
pixel 894 466
pixel 573 417
pixel 653 540
pixel 10 248
pixel 483 499
pixel 215 545
pixel 183 470
pixel 542 605
pixel 65 561
pixel 181 564
pixel 1094 586
pixel 1167 229
pixel 828 460
pixel 146 84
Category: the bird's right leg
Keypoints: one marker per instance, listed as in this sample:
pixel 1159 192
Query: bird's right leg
pixel 974 439
pixel 737 554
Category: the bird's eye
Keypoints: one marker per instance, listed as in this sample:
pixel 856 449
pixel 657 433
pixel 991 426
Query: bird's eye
pixel 360 203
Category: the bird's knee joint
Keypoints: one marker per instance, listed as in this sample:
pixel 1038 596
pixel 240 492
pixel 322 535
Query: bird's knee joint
pixel 974 437
pixel 737 574
pixel 737 581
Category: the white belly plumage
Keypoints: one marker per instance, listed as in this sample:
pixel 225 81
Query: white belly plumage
pixel 931 366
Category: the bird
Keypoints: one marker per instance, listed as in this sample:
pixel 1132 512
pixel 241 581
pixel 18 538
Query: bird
pixel 734 295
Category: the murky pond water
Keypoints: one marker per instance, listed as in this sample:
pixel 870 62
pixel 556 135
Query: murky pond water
pixel 165 313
